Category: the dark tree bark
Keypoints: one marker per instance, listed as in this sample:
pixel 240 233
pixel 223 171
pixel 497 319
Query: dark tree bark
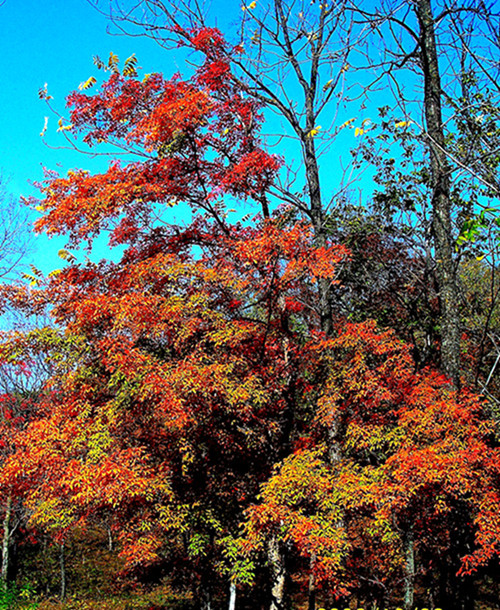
pixel 441 203
pixel 62 566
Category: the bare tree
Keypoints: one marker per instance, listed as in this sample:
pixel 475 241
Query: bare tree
pixel 15 244
pixel 15 233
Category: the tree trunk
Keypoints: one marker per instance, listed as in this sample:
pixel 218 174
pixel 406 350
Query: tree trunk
pixel 205 596
pixel 278 573
pixel 409 581
pixel 110 538
pixel 441 204
pixel 6 540
pixel 318 221
pixel 311 600
pixel 62 565
pixel 232 595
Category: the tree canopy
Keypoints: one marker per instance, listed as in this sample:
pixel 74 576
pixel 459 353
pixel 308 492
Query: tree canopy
pixel 282 407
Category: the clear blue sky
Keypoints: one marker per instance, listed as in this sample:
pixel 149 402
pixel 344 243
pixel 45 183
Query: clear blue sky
pixel 50 41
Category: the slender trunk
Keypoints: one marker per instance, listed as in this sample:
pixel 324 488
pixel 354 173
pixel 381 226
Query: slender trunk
pixel 324 287
pixel 62 565
pixel 278 573
pixel 206 597
pixel 311 602
pixel 318 222
pixel 441 203
pixel 232 595
pixel 409 581
pixel 6 540
pixel 110 539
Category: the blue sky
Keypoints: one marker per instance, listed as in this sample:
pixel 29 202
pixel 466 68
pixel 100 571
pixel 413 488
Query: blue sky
pixel 49 42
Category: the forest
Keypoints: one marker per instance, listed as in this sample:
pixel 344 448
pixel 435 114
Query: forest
pixel 277 386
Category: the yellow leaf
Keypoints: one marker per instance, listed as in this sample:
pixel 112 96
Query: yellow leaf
pixel 42 93
pixel 402 123
pixel 34 281
pixel 113 63
pixel 129 71
pixel 36 271
pixel 90 82
pixel 46 122
pixel 251 6
pixel 314 132
pixel 347 123
pixel 132 60
pixel 65 255
pixel 99 63
pixel 358 131
pixel 63 127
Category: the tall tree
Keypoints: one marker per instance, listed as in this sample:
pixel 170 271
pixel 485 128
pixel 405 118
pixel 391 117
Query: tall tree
pixel 441 45
pixel 282 52
pixel 215 359
pixel 441 204
pixel 296 58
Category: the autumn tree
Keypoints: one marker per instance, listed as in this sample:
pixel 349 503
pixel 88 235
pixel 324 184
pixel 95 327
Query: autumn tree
pixel 413 453
pixel 217 374
pixel 309 49
pixel 217 360
pixel 195 371
pixel 297 59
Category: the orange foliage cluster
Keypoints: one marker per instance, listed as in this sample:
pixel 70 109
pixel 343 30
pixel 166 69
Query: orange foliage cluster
pixel 192 393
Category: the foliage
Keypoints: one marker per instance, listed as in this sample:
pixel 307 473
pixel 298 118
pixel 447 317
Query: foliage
pixel 198 409
pixel 14 597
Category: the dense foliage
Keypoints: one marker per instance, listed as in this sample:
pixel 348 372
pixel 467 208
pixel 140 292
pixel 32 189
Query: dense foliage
pixel 202 426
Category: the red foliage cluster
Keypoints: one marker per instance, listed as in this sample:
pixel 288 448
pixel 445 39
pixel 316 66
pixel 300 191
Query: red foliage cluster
pixel 192 391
